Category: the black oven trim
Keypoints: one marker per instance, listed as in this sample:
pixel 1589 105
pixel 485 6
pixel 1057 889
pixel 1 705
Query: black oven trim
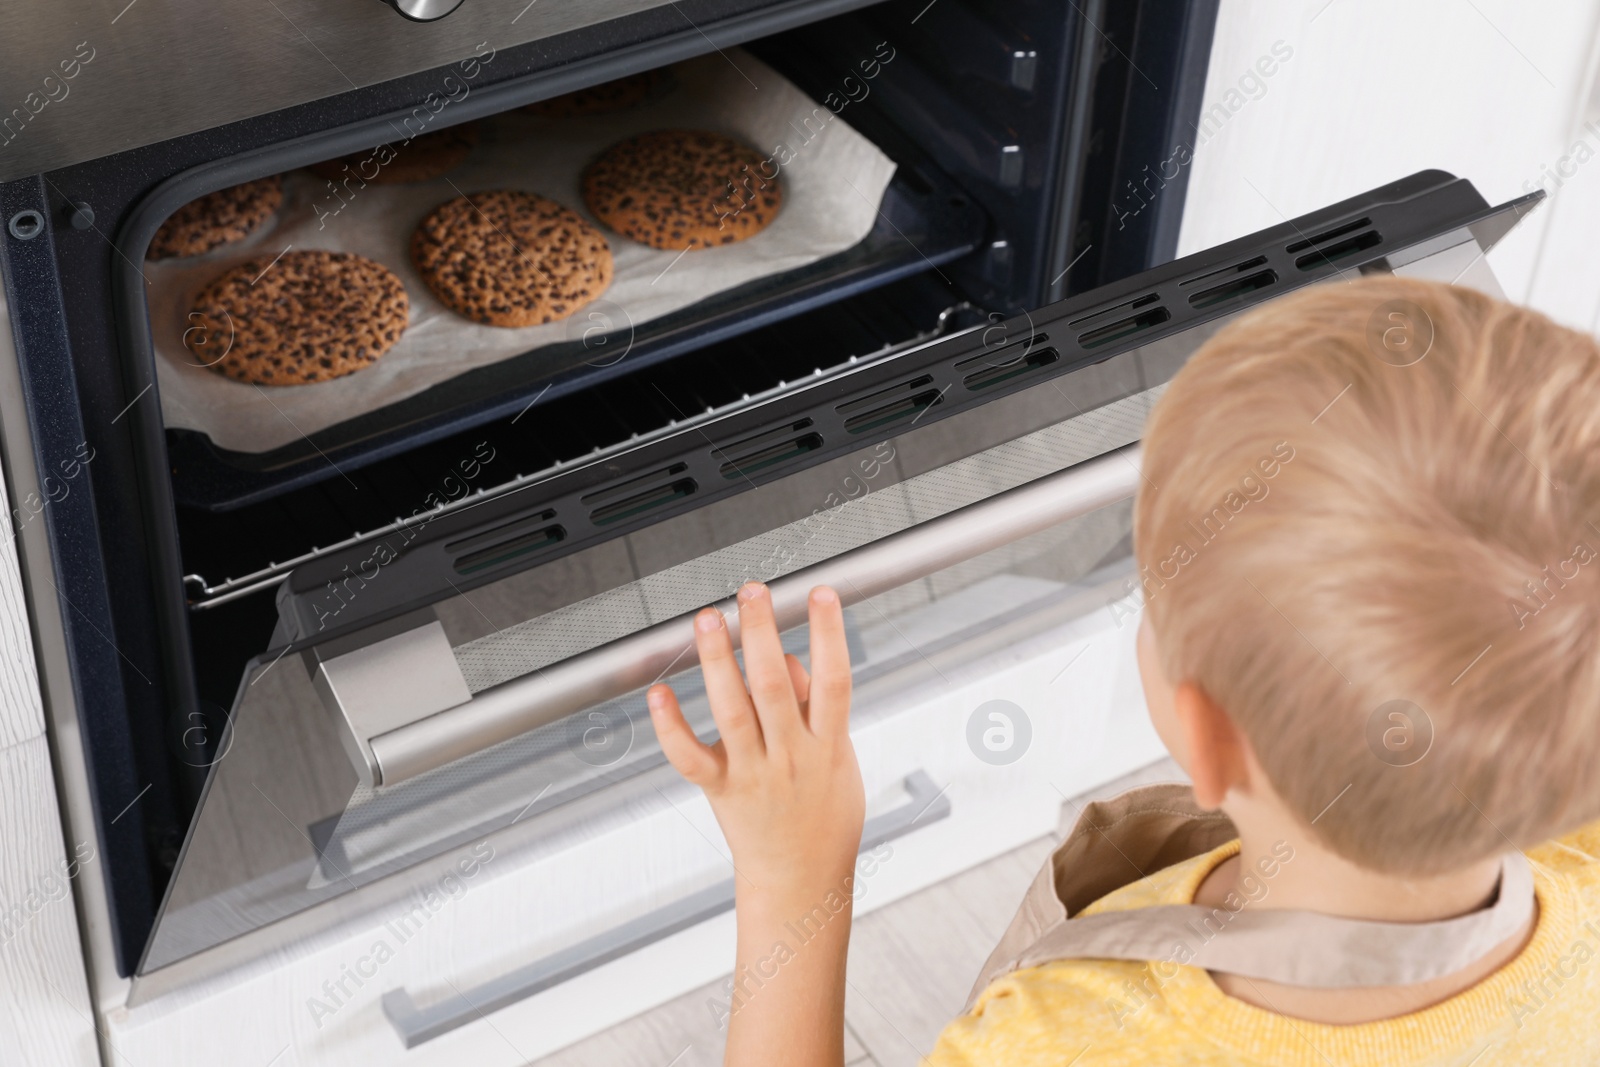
pixel 1177 39
pixel 103 674
pixel 846 412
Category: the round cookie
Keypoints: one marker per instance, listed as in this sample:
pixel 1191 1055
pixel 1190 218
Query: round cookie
pixel 309 317
pixel 509 258
pixel 675 189
pixel 218 218
pixel 602 99
pixel 420 159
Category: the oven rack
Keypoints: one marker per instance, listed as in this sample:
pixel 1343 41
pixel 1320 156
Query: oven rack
pixel 203 595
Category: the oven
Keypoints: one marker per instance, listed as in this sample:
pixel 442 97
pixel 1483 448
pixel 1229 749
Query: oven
pixel 357 701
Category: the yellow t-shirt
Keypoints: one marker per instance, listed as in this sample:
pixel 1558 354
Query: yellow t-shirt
pixel 1541 1008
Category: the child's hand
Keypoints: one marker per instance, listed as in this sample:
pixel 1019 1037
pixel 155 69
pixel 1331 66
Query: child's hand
pixel 786 790
pixel 782 780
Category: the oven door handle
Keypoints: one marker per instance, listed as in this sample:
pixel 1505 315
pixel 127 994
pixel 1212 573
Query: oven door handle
pixel 449 725
pixel 925 804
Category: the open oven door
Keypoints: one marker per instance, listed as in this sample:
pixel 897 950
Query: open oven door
pixel 477 675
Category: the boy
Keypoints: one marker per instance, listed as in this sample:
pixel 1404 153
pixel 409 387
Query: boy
pixel 1383 680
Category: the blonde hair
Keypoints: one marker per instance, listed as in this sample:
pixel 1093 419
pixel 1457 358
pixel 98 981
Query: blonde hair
pixel 1385 491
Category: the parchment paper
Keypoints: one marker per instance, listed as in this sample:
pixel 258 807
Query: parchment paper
pixel 833 186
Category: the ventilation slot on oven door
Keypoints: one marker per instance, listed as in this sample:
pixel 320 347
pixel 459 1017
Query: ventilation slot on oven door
pixel 743 458
pixel 1123 327
pixel 639 495
pixel 502 544
pixel 1329 246
pixel 1004 364
pixel 908 400
pixel 1230 283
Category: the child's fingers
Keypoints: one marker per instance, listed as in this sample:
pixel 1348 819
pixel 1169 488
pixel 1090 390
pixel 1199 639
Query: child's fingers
pixel 688 755
pixel 730 704
pixel 799 678
pixel 829 709
pixel 770 683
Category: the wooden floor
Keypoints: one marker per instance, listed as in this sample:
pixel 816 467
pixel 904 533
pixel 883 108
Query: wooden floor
pixel 912 964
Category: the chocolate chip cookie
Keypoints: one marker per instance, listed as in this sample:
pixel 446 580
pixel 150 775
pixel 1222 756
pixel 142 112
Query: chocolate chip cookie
pixel 676 189
pixel 509 258
pixel 216 219
pixel 308 317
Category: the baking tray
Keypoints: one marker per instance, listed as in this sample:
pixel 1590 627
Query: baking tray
pixel 924 221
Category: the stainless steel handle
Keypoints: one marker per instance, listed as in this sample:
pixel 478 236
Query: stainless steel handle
pixel 639 659
pixel 424 10
pixel 926 804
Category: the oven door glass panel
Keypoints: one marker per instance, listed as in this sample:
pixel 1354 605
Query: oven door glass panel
pixel 285 823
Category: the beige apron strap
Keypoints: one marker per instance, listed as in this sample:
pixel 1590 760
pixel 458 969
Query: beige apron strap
pixel 1120 840
pixel 1300 948
pixel 1113 842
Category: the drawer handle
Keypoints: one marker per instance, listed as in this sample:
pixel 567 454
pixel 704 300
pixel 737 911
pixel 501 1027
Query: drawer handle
pixel 926 804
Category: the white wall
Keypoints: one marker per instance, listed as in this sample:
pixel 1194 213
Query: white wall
pixel 1496 91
